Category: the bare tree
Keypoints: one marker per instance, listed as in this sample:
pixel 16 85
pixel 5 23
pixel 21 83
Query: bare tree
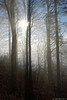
pixel 57 46
pixel 48 42
pixel 29 92
pixel 11 17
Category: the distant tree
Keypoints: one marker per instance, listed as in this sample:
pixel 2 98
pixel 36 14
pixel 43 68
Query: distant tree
pixel 9 43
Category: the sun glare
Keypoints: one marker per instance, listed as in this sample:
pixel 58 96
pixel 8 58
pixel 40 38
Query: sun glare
pixel 23 24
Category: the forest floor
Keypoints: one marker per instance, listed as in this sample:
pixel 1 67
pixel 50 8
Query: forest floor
pixel 39 87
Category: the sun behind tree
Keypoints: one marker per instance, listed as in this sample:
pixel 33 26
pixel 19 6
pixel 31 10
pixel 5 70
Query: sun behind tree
pixel 23 24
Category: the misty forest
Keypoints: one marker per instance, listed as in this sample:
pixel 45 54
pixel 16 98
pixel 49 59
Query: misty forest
pixel 33 49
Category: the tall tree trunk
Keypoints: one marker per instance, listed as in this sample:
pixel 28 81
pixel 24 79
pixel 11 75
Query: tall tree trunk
pixel 26 70
pixel 57 46
pixel 48 43
pixel 11 17
pixel 48 50
pixel 38 57
pixel 9 45
pixel 30 69
pixel 14 47
pixel 28 92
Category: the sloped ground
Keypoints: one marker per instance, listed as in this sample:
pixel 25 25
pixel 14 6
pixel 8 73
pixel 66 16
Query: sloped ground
pixel 5 84
pixel 40 85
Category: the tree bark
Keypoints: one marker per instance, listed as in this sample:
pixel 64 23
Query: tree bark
pixel 11 17
pixel 48 51
pixel 48 43
pixel 57 46
pixel 14 47
pixel 9 45
pixel 28 90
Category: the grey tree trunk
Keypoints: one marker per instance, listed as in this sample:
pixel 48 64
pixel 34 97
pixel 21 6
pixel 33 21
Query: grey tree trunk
pixel 11 17
pixel 26 70
pixel 14 47
pixel 28 79
pixel 57 46
pixel 49 51
pixel 9 45
pixel 48 43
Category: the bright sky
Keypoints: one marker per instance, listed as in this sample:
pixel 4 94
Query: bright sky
pixel 38 29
